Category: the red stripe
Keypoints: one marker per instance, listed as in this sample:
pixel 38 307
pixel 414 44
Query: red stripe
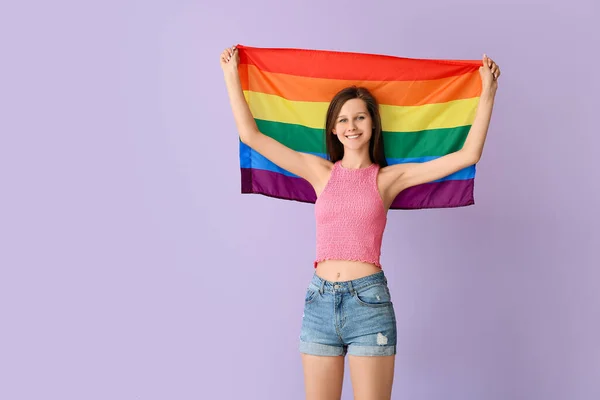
pixel 348 65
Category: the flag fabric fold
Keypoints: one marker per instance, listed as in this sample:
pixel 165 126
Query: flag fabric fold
pixel 427 108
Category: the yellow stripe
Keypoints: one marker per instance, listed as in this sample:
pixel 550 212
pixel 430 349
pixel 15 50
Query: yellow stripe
pixel 393 118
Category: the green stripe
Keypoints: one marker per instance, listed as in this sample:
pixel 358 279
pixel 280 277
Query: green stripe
pixel 433 142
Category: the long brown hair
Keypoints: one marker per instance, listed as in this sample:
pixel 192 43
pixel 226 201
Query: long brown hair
pixel 335 148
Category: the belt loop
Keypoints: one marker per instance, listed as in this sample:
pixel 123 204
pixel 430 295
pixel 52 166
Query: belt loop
pixel 321 289
pixel 351 288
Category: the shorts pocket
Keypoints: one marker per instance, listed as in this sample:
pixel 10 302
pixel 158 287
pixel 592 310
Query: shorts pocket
pixel 311 294
pixel 377 295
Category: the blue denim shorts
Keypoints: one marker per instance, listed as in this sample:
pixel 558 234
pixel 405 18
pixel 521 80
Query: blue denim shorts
pixel 351 317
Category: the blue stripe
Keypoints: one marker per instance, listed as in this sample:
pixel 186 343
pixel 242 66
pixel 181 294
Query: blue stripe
pixel 252 159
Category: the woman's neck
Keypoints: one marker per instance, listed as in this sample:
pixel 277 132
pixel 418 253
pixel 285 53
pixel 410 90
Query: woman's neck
pixel 353 160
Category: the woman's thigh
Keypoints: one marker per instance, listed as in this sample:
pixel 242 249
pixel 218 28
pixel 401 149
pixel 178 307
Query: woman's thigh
pixel 323 376
pixel 372 376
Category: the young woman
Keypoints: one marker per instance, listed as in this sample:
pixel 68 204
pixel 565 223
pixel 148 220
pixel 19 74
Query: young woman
pixel 348 308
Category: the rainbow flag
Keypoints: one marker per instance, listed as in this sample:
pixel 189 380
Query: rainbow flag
pixel 427 108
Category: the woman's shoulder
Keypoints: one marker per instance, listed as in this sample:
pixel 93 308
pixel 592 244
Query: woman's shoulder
pixel 388 175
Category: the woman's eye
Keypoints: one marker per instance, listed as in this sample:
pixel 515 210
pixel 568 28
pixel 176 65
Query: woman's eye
pixel 342 120
pixel 361 117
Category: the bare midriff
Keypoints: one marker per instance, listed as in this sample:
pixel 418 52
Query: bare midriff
pixel 341 270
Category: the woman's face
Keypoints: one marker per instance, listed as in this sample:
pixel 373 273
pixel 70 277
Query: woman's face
pixel 354 125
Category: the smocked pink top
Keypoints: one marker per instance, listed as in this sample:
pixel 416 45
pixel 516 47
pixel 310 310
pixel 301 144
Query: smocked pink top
pixel 350 216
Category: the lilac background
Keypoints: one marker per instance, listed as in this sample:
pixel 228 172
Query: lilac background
pixel 132 268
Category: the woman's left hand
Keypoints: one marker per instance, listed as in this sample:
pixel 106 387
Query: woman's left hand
pixel 490 72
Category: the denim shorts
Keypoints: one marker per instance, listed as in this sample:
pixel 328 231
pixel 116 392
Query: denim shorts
pixel 353 317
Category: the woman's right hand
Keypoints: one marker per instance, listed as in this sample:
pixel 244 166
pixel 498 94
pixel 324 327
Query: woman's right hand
pixel 230 59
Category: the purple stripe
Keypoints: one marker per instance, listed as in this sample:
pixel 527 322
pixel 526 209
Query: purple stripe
pixel 274 184
pixel 445 194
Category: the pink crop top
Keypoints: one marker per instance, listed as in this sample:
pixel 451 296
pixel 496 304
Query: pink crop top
pixel 350 216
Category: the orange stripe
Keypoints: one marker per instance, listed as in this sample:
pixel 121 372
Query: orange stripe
pixel 398 93
pixel 353 66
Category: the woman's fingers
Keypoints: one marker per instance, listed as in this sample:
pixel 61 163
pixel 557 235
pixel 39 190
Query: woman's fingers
pixel 225 56
pixel 494 68
pixel 229 53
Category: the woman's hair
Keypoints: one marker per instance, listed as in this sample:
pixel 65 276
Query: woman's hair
pixel 335 148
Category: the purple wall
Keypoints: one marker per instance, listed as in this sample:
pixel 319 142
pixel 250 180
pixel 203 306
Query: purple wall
pixel 133 268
